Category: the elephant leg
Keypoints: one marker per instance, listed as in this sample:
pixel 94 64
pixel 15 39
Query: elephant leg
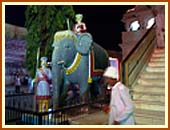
pixel 65 87
pixel 84 91
pixel 63 96
pixel 56 94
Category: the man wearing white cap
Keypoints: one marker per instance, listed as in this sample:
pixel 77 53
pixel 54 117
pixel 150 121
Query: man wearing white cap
pixel 121 105
pixel 43 77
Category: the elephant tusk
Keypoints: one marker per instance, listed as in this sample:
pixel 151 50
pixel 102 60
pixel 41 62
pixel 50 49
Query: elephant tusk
pixel 60 62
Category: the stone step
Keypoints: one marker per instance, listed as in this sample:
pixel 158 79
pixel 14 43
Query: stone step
pixel 147 117
pixel 157 59
pixel 159 55
pixel 148 121
pixel 151 82
pixel 157 64
pixel 159 51
pixel 155 69
pixel 150 90
pixel 149 105
pixel 148 113
pixel 153 75
pixel 155 97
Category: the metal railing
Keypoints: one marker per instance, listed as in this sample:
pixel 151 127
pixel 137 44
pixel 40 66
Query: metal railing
pixel 19 110
pixel 20 100
pixel 29 117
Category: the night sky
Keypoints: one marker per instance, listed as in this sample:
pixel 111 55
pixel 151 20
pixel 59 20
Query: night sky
pixel 102 21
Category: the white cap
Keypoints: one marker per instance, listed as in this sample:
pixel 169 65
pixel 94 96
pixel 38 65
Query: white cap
pixel 44 59
pixel 111 72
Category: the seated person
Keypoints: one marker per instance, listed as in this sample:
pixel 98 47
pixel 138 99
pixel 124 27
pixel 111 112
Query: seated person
pixel 80 27
pixel 73 94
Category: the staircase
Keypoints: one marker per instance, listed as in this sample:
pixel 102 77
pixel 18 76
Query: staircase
pixel 149 92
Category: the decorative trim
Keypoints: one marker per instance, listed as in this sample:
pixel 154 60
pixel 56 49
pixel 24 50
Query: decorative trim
pixel 89 78
pixel 94 71
pixel 43 97
pixel 65 34
pixel 74 65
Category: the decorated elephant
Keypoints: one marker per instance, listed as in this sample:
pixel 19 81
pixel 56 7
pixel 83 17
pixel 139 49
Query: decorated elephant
pixel 76 59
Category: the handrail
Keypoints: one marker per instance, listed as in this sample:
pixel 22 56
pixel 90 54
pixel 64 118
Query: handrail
pixel 139 42
pixel 138 58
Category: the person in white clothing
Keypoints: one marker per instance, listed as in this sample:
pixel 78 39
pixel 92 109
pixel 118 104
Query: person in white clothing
pixel 121 106
pixel 17 83
pixel 43 78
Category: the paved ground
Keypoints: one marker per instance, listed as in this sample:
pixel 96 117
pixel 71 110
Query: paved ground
pixel 95 117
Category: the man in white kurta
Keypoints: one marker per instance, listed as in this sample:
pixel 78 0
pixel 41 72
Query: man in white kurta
pixel 121 105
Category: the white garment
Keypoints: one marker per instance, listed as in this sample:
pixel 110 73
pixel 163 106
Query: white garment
pixel 43 85
pixel 17 81
pixel 79 28
pixel 121 105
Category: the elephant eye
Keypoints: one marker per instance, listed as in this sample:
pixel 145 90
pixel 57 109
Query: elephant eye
pixel 67 46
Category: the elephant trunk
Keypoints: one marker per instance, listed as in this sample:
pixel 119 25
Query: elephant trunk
pixel 57 80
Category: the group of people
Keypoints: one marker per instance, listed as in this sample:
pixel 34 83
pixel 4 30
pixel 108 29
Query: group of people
pixel 19 81
pixel 121 108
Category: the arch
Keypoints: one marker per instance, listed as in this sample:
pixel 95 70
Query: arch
pixel 150 23
pixel 134 26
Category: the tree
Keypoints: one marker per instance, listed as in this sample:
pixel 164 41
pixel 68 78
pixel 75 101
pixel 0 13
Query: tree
pixel 42 21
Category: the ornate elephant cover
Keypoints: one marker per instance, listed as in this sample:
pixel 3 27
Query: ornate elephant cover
pixel 99 60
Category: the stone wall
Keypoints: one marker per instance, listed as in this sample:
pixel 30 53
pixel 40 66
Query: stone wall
pixel 15 50
pixel 142 13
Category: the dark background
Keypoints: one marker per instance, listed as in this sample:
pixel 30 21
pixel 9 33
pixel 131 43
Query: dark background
pixel 102 21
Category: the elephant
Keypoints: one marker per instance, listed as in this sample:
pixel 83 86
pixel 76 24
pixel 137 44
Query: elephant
pixel 73 58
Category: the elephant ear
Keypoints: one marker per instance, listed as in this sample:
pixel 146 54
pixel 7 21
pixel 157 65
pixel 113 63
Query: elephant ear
pixel 84 43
